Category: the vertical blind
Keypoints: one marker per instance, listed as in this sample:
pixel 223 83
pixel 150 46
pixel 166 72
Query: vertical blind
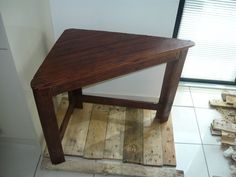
pixel 211 24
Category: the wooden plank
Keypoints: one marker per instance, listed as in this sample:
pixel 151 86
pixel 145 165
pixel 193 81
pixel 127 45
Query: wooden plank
pixel 227 93
pixel 133 138
pixel 228 114
pixel 231 100
pixel 152 147
pixel 76 133
pixel 110 167
pixel 115 133
pixel 215 132
pixel 168 145
pixel 228 138
pixel 222 124
pixel 95 142
pixel 220 103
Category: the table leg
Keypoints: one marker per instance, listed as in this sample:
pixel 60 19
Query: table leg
pixel 43 99
pixel 170 83
pixel 75 97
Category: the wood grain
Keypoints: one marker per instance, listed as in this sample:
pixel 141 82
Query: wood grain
pixel 133 138
pixel 106 167
pixel 168 144
pixel 95 141
pixel 222 124
pixel 80 58
pixel 44 103
pixel 75 136
pixel 152 146
pixel 83 57
pixel 169 86
pixel 115 133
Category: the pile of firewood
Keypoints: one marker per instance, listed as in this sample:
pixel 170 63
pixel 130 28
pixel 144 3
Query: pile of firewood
pixel 226 126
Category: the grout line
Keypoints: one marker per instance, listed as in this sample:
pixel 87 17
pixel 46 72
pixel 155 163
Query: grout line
pixel 183 106
pixel 187 143
pixel 191 95
pixel 202 145
pixel 36 169
pixel 207 86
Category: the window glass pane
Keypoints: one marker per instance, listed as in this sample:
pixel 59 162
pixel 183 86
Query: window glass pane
pixel 211 24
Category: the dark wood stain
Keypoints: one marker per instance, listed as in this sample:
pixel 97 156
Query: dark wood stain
pixel 83 57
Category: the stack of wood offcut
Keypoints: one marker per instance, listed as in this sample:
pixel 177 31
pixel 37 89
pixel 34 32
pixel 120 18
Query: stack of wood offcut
pixel 226 126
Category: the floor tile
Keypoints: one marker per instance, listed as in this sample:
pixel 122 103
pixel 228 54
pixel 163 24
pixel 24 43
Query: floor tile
pixel 100 175
pixel 18 159
pixel 185 125
pixel 201 96
pixel 190 159
pixel 54 173
pixel 183 97
pixel 218 165
pixel 204 119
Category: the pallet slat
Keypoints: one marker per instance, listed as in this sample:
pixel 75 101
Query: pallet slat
pixel 133 138
pixel 95 142
pixel 108 167
pixel 168 145
pixel 75 136
pixel 152 148
pixel 115 133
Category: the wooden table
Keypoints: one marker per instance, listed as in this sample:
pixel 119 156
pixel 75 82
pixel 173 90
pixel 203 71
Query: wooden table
pixel 83 57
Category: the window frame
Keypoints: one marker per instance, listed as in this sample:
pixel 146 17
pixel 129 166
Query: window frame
pixel 175 35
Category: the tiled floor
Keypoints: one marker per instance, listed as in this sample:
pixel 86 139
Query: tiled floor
pixel 198 153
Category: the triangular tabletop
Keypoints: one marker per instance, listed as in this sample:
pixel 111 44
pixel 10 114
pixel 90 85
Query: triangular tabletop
pixel 85 57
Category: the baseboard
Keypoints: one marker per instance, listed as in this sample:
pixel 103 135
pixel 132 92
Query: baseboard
pixel 19 141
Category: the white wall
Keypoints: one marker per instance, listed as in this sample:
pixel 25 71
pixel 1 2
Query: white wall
pixel 15 117
pixel 30 35
pixel 151 17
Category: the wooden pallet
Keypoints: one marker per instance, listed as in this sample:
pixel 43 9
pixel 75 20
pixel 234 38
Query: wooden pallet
pixel 111 134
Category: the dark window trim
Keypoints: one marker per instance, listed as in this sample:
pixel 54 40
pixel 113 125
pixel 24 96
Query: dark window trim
pixel 178 18
pixel 175 35
pixel 207 81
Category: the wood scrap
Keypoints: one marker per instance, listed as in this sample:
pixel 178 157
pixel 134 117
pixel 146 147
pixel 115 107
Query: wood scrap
pixel 228 138
pixel 231 100
pixel 220 103
pixel 221 124
pixel 228 114
pixel 226 93
pixel 215 132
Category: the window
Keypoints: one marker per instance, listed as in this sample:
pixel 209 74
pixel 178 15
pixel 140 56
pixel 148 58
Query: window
pixel 211 24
